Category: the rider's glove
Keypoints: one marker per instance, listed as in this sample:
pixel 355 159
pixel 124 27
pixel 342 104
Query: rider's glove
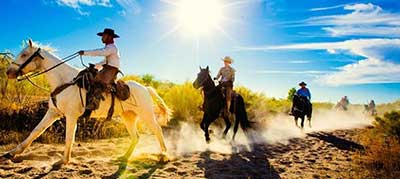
pixel 81 52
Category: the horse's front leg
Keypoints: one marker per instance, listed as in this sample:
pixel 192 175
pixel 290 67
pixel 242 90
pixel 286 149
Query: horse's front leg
pixel 47 121
pixel 69 139
pixel 295 121
pixel 202 123
pixel 207 122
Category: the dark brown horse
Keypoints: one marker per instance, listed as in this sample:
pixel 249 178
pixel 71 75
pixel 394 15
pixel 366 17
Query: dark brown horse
pixel 301 108
pixel 214 103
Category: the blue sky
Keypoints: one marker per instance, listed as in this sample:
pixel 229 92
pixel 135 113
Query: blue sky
pixel 338 47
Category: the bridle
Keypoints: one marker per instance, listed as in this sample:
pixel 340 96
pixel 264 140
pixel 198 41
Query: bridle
pixel 202 85
pixel 30 59
pixel 35 74
pixel 202 81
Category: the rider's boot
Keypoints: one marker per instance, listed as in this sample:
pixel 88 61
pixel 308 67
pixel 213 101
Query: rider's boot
pixel 93 99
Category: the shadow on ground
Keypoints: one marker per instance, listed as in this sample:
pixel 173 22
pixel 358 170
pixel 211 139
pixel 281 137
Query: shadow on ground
pixel 339 143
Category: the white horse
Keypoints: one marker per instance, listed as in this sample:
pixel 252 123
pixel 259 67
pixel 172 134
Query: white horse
pixel 138 107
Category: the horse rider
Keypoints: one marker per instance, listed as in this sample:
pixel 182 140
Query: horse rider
pixel 344 102
pixel 109 68
pixel 304 92
pixel 371 107
pixel 227 75
pixel 371 104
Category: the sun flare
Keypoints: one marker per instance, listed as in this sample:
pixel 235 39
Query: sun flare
pixel 199 16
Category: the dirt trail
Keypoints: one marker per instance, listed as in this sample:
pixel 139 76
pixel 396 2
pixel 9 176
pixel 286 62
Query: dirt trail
pixel 317 155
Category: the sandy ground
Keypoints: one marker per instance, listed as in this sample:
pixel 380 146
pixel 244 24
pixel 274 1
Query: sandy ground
pixel 316 155
pixel 279 150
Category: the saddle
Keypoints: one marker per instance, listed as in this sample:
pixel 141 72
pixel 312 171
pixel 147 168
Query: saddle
pixel 85 80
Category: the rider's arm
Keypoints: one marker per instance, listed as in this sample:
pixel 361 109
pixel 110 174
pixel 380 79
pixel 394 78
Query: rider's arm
pixel 99 52
pixel 219 74
pixel 309 94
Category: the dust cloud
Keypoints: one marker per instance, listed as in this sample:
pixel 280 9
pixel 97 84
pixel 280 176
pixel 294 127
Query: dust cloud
pixel 280 129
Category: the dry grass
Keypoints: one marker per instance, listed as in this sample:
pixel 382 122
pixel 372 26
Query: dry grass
pixel 381 157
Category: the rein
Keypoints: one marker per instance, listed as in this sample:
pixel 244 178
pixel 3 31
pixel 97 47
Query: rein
pixel 35 74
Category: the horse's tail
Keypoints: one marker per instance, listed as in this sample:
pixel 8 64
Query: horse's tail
pixel 241 113
pixel 163 110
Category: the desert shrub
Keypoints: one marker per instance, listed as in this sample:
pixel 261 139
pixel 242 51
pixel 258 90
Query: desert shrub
pixel 322 105
pixel 15 125
pixel 389 124
pixel 184 100
pixel 387 107
pixel 381 158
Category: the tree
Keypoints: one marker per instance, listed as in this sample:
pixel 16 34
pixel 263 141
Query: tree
pixel 291 93
pixel 148 79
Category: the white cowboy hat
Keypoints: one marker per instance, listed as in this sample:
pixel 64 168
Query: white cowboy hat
pixel 227 59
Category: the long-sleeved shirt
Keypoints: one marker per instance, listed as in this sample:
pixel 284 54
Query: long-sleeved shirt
pixel 304 92
pixel 227 74
pixel 110 53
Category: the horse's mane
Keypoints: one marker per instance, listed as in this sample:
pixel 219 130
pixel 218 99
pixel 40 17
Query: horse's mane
pixel 46 47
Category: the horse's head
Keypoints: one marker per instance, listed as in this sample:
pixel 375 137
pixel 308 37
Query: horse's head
pixel 28 60
pixel 202 77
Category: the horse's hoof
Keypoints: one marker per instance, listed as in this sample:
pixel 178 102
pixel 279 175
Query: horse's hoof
pixel 208 141
pixel 163 158
pixel 59 164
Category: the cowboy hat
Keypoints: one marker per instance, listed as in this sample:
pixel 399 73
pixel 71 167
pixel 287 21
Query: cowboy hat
pixel 227 59
pixel 302 83
pixel 108 31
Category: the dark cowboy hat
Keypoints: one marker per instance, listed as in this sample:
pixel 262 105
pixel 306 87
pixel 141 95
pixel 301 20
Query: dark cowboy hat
pixel 302 83
pixel 108 31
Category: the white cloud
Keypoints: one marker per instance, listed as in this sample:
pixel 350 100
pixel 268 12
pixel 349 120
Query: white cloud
pixel 77 4
pixel 363 20
pixel 309 72
pixel 128 6
pixel 380 63
pixel 299 61
pixel 366 71
pixel 327 8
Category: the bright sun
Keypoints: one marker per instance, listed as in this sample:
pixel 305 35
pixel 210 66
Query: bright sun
pixel 199 16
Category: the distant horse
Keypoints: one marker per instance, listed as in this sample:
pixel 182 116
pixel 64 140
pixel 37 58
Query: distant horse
pixel 137 108
pixel 341 107
pixel 214 105
pixel 369 110
pixel 301 108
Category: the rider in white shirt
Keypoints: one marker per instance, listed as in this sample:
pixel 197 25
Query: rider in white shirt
pixel 109 67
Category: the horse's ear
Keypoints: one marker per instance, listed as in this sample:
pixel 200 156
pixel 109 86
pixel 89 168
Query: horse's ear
pixel 208 69
pixel 200 68
pixel 30 43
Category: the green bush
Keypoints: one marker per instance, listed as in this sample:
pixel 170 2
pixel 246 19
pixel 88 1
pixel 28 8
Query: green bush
pixel 389 124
